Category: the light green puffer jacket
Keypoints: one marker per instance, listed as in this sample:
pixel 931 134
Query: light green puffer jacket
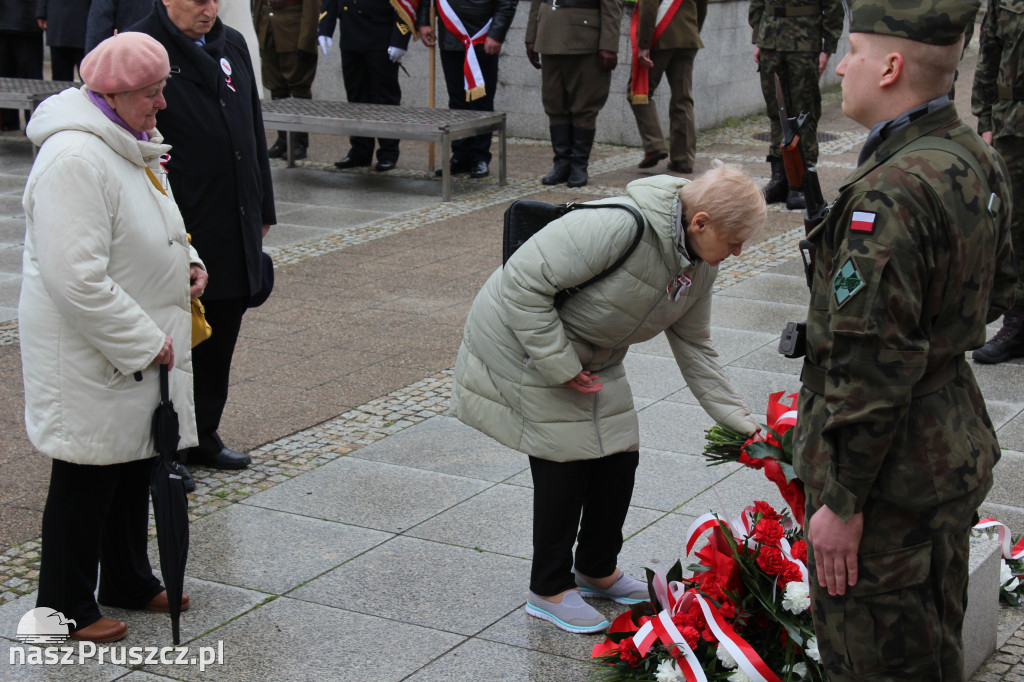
pixel 517 349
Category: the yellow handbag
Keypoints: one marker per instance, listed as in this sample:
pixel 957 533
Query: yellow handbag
pixel 201 329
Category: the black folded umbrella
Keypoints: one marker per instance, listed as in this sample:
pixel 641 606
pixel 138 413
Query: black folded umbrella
pixel 170 504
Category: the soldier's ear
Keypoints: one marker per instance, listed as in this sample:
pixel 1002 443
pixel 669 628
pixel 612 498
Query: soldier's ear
pixel 892 69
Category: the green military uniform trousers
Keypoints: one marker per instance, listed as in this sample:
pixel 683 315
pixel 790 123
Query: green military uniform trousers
pixel 902 619
pixel 573 89
pixel 1012 151
pixel 798 72
pixel 287 71
pixel 677 65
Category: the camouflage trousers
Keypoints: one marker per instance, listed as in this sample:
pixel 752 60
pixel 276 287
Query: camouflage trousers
pixel 903 619
pixel 798 72
pixel 1012 151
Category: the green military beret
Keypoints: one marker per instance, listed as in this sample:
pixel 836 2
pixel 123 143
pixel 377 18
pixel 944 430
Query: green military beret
pixel 936 22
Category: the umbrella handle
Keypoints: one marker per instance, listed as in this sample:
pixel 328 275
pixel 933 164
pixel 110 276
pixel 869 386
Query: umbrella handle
pixel 165 392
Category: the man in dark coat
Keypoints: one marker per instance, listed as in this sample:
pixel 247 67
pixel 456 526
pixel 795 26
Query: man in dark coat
pixel 373 40
pixel 21 49
pixel 109 16
pixel 64 23
pixel 484 23
pixel 220 174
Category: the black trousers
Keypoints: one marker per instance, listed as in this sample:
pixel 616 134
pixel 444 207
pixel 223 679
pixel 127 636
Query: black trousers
pixel 371 78
pixel 21 56
pixel 63 61
pixel 211 368
pixel 96 516
pixel 583 502
pixel 477 148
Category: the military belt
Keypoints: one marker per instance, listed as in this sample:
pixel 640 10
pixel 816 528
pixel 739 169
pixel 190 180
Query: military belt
pixel 1015 92
pixel 281 4
pixel 813 378
pixel 578 4
pixel 783 11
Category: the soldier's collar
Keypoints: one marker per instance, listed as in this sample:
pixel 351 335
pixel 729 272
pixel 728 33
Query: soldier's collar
pixel 884 130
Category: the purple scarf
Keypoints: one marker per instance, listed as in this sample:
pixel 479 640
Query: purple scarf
pixel 112 115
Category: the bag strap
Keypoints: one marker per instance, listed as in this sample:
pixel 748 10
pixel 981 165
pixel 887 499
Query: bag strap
pixel 565 294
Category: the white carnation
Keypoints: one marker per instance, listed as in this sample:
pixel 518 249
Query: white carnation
pixel 799 669
pixel 725 657
pixel 1006 577
pixel 797 597
pixel 812 649
pixel 668 671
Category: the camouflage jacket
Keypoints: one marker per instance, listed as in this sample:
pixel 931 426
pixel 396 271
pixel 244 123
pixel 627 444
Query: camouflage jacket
pixel 796 25
pixel 1000 66
pixel 908 271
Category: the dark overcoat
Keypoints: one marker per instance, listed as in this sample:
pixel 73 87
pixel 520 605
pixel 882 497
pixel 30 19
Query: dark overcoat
pixel 218 169
pixel 65 21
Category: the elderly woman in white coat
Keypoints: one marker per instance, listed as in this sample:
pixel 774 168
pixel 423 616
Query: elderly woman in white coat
pixel 549 381
pixel 107 278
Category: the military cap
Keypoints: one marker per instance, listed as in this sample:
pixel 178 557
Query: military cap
pixel 936 22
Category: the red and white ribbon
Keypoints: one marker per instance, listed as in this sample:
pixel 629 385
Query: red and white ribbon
pixel 472 76
pixel 747 659
pixel 1003 533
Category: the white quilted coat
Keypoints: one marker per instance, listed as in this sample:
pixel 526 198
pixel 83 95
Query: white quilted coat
pixel 105 277
pixel 518 350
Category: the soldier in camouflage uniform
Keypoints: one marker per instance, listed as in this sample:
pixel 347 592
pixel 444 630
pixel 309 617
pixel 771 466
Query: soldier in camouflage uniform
pixel 794 39
pixel 893 440
pixel 998 102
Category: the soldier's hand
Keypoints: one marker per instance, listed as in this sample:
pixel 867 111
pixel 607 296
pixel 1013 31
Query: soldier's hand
pixel 532 56
pixel 427 36
pixel 607 60
pixel 822 63
pixel 835 546
pixel 987 136
pixel 325 43
pixel 757 55
pixel 644 57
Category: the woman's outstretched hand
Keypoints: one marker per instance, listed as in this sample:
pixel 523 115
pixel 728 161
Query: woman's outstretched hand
pixel 584 382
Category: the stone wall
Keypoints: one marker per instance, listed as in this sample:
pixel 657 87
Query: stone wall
pixel 725 79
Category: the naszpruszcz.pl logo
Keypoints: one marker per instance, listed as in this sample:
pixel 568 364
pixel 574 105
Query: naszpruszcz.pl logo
pixel 44 629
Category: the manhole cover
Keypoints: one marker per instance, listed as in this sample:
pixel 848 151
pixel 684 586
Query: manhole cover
pixel 822 137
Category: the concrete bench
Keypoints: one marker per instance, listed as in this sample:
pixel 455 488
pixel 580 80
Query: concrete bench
pixel 386 121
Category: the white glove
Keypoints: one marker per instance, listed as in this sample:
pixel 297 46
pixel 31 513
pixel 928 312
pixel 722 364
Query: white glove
pixel 396 53
pixel 325 43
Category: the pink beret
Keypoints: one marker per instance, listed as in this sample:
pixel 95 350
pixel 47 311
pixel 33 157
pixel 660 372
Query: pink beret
pixel 124 62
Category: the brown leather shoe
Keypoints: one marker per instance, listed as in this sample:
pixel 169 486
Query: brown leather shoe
pixel 679 168
pixel 651 159
pixel 102 631
pixel 160 604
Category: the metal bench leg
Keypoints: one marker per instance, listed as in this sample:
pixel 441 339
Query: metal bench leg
pixel 501 154
pixel 446 166
pixel 291 149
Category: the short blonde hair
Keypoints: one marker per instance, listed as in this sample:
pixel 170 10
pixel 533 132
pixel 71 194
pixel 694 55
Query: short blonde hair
pixel 727 194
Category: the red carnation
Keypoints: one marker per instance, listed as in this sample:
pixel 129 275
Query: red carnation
pixel 771 560
pixel 800 550
pixel 766 510
pixel 629 653
pixel 692 636
pixel 728 610
pixel 790 574
pixel 768 532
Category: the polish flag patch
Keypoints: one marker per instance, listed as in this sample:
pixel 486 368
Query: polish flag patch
pixel 863 221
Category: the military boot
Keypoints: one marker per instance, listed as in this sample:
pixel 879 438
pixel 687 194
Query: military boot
pixel 300 145
pixel 582 143
pixel 795 200
pixel 1008 342
pixel 561 143
pixel 280 146
pixel 777 189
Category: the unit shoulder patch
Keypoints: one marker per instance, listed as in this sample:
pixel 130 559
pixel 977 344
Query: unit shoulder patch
pixel 863 221
pixel 847 282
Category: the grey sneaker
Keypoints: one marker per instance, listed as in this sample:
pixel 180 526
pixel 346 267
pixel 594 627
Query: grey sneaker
pixel 572 614
pixel 624 590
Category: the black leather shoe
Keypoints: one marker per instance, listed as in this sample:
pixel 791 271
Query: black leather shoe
pixel 278 149
pixel 349 162
pixel 300 151
pixel 385 166
pixel 225 459
pixel 479 170
pixel 454 169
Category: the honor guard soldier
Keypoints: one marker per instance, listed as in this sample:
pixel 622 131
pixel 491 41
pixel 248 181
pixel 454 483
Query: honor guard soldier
pixel 893 440
pixel 579 41
pixel 794 40
pixel 998 102
pixel 287 32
